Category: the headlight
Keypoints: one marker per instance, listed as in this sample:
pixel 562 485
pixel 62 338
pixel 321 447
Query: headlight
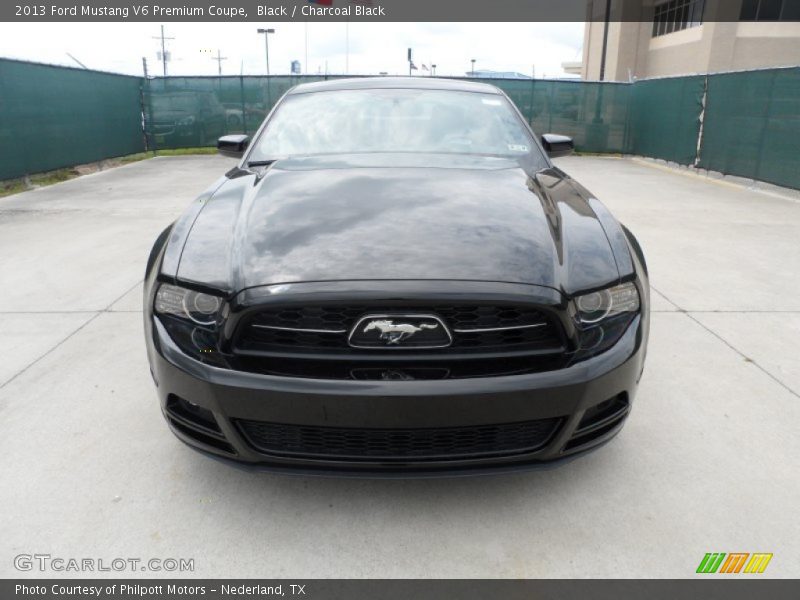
pixel 596 306
pixel 196 306
pixel 602 317
pixel 191 318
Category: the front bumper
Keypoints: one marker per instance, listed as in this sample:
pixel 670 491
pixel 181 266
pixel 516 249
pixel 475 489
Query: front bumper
pixel 590 400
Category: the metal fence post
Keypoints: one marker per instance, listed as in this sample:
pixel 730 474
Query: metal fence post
pixel 149 117
pixel 143 109
pixel 702 117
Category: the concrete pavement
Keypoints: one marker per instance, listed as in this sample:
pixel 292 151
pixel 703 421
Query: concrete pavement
pixel 708 461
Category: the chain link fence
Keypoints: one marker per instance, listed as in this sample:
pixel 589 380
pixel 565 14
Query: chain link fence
pixel 54 117
pixel 665 118
pixel 186 112
pixel 745 124
pixel 752 126
pixel 193 111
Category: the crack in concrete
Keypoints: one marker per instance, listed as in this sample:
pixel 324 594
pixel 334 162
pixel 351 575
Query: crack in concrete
pixel 688 313
pixel 95 314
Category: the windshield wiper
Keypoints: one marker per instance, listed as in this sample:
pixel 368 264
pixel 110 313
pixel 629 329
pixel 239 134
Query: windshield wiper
pixel 261 163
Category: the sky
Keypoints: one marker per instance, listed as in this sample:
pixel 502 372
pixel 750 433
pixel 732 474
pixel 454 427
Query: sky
pixel 373 47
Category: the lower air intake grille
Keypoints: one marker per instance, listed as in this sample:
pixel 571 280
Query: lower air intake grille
pixel 398 444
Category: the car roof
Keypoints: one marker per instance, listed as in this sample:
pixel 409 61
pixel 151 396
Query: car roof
pixel 376 83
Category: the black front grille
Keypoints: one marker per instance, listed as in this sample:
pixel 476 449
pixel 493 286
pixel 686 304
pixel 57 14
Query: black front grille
pixel 398 444
pixel 473 327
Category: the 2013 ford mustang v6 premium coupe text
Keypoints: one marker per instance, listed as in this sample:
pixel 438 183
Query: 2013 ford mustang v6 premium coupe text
pixel 396 279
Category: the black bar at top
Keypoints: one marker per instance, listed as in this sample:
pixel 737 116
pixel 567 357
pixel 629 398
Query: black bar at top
pixel 164 11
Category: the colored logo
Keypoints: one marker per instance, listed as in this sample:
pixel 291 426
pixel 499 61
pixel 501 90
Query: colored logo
pixel 735 562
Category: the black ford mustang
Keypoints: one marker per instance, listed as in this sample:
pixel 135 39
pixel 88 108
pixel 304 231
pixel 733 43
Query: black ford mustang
pixel 396 279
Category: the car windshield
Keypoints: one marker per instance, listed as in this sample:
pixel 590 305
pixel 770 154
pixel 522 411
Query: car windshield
pixel 393 120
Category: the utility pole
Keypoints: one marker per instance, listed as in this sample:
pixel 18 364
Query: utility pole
pixel 219 58
pixel 606 21
pixel 144 66
pixel 163 49
pixel 473 66
pixel 266 33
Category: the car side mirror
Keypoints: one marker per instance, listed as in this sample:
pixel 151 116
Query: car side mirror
pixel 557 145
pixel 233 145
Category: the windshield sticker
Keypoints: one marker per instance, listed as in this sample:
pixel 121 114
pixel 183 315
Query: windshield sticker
pixel 517 148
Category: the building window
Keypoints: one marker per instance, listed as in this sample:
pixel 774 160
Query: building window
pixel 770 10
pixel 677 15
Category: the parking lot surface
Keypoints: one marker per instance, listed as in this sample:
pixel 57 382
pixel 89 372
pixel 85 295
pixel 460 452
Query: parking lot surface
pixel 708 461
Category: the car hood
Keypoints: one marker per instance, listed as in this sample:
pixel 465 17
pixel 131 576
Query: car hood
pixel 418 218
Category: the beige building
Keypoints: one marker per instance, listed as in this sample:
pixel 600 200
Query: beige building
pixel 657 38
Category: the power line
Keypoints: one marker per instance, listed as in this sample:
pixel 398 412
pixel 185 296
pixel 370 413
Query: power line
pixel 76 60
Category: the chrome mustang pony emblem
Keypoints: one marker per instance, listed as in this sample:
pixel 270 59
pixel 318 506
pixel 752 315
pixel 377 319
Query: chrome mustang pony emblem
pixel 395 333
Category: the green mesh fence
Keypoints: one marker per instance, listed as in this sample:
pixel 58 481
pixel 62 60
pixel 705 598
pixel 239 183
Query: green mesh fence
pixel 752 125
pixel 194 111
pixel 593 114
pixel 184 112
pixel 664 119
pixel 53 117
